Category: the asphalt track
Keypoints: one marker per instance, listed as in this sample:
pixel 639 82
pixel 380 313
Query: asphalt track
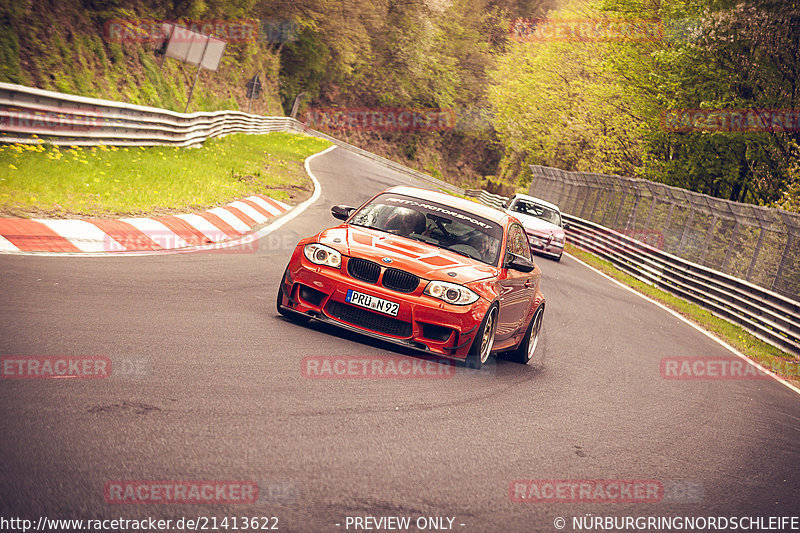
pixel 222 397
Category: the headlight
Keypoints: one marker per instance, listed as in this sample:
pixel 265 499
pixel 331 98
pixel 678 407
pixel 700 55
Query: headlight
pixel 322 255
pixel 451 293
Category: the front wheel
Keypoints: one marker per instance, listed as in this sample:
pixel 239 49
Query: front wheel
pixel 484 340
pixel 527 348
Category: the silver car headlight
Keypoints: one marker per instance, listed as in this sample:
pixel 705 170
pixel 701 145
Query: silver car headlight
pixel 322 255
pixel 452 293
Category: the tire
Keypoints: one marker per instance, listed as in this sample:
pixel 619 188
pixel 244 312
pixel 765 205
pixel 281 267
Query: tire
pixel 527 348
pixel 481 347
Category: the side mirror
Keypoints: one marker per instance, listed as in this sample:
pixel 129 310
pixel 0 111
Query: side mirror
pixel 342 212
pixel 520 263
pixel 566 226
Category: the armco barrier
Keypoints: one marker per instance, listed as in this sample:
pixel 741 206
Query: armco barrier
pixel 767 315
pixel 30 115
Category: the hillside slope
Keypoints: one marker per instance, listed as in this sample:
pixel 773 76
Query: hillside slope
pixel 68 46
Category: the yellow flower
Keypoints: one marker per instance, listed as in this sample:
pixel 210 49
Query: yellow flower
pixel 12 167
pixel 33 198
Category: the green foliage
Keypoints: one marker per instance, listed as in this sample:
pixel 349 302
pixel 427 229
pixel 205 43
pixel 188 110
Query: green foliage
pixel 597 106
pixel 558 103
pixel 116 181
pixel 63 48
pixel 9 56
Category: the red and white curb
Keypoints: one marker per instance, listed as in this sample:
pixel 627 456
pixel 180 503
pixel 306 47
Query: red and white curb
pixel 139 234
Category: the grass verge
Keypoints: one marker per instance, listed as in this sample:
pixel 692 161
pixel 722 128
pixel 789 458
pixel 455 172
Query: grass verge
pixel 111 181
pixel 770 357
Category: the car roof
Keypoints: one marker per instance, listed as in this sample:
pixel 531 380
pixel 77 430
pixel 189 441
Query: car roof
pixel 537 200
pixel 489 213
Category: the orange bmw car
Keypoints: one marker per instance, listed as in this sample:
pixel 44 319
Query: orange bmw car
pixel 425 270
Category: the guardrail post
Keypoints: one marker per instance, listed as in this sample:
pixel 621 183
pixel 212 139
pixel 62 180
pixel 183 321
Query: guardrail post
pixel 729 251
pixel 709 236
pixel 756 252
pixel 784 260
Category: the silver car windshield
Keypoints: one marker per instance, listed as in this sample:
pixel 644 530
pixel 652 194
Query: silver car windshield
pixel 526 207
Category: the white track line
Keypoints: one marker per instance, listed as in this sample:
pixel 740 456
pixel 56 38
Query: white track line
pixel 682 318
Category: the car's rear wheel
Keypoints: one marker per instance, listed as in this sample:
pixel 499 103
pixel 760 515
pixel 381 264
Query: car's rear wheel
pixel 527 348
pixel 482 344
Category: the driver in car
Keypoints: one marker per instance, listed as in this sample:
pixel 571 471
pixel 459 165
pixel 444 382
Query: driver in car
pixel 405 221
pixel 483 244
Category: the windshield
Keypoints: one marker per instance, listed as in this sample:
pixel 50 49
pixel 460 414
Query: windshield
pixel 527 207
pixel 447 227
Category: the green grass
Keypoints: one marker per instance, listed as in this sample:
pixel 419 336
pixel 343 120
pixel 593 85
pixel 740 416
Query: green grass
pixel 770 357
pixel 111 181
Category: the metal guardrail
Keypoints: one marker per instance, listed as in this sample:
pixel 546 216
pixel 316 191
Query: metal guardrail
pixel 755 243
pixel 767 315
pixel 30 115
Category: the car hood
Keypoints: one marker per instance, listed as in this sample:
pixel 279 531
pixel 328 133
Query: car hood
pixel 538 225
pixel 424 260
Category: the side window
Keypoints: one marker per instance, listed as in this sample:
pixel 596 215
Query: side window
pixel 518 242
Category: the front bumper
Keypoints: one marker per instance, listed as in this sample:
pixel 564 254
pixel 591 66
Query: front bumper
pixel 422 322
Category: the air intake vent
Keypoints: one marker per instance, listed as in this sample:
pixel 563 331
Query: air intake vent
pixel 368 320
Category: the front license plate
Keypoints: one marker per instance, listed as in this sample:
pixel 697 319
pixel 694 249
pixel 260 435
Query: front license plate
pixel 372 302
